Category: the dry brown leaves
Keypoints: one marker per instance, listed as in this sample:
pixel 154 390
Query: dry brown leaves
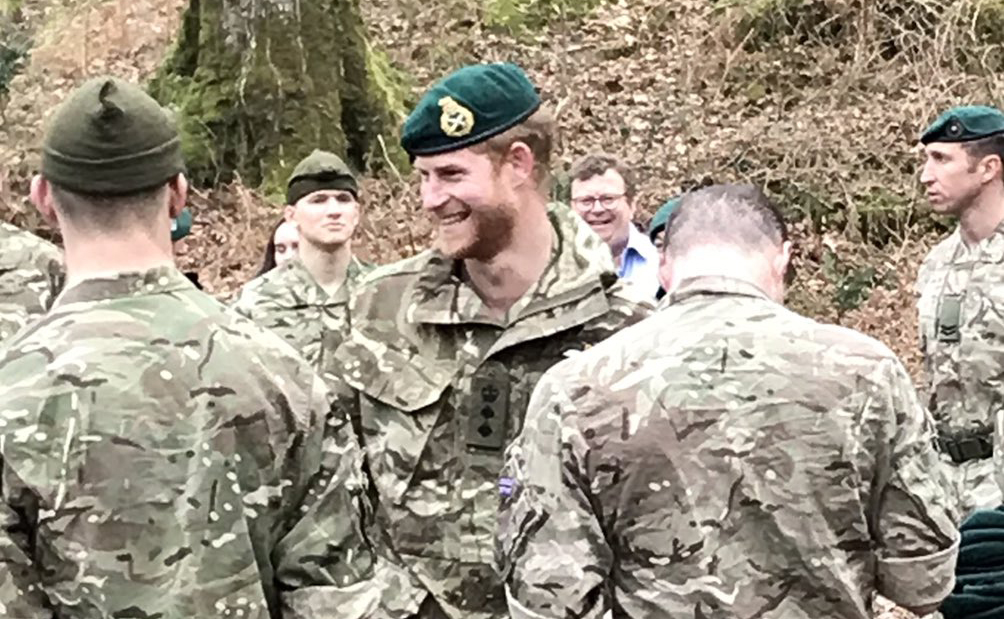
pixel 73 42
pixel 656 82
pixel 653 81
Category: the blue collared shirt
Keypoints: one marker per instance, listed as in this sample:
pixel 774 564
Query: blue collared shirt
pixel 639 263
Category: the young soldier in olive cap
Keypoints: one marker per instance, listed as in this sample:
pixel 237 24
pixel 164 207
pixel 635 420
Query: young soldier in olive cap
pixel 157 452
pixel 306 300
pixel 961 296
pixel 31 275
pixel 445 347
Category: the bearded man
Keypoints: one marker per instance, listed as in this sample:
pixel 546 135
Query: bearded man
pixel 445 347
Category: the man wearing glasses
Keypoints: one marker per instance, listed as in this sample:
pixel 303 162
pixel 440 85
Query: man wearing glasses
pixel 603 194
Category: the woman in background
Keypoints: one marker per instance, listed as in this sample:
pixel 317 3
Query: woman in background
pixel 282 246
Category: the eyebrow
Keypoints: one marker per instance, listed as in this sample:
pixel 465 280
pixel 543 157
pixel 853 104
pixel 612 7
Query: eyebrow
pixel 449 168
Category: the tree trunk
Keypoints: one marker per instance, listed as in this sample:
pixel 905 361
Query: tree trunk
pixel 258 84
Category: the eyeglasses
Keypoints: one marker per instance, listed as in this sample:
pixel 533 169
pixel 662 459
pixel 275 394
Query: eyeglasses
pixel 607 202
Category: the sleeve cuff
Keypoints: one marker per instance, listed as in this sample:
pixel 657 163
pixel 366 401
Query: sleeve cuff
pixel 898 577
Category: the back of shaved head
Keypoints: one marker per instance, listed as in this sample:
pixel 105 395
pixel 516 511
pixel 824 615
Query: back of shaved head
pixel 737 215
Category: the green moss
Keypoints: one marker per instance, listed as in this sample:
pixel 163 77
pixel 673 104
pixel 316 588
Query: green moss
pixel 391 86
pixel 293 109
pixel 197 83
pixel 375 97
pixel 254 108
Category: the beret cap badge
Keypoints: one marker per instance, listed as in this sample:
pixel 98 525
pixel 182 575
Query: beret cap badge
pixel 954 129
pixel 472 104
pixel 455 120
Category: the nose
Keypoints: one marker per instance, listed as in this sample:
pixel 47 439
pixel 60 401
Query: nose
pixel 334 209
pixel 432 193
pixel 927 175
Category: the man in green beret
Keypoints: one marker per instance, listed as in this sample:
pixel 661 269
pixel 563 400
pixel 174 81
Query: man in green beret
pixel 31 275
pixel 658 223
pixel 158 452
pixel 181 227
pixel 445 347
pixel 960 289
pixel 655 233
pixel 306 299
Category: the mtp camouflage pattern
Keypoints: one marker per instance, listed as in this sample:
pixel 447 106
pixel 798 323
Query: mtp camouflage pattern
pixel 725 458
pixel 289 301
pixel 164 458
pixel 31 274
pixel 960 304
pixel 441 388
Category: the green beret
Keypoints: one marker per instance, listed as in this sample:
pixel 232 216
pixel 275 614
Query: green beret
pixel 965 123
pixel 469 106
pixel 111 138
pixel 318 171
pixel 661 217
pixel 181 225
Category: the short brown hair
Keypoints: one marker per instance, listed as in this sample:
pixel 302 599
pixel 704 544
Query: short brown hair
pixel 109 213
pixel 537 132
pixel 597 164
pixel 985 147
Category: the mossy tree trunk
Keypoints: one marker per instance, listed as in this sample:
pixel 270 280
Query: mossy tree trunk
pixel 258 84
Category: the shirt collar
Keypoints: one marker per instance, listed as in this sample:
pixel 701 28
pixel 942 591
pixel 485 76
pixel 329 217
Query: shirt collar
pixel 990 249
pixel 713 285
pixel 639 244
pixel 158 280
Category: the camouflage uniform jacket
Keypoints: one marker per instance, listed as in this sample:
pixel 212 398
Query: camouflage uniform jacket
pixel 157 455
pixel 960 301
pixel 289 301
pixel 964 360
pixel 725 458
pixel 442 387
pixel 31 274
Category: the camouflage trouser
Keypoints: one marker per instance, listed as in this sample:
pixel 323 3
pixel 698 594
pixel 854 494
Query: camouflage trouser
pixel 973 485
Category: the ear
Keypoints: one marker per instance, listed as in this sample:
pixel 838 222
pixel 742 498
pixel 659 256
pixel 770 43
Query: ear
pixel 521 158
pixel 289 212
pixel 41 197
pixel 177 190
pixel 665 272
pixel 993 168
pixel 781 263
